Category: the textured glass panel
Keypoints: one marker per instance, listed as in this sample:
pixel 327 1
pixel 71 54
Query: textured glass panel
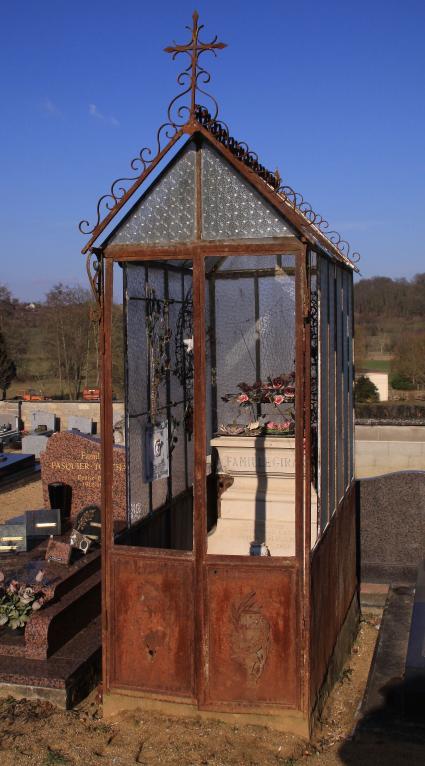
pixel 276 325
pixel 339 385
pixel 346 376
pixel 332 389
pixel 147 497
pixel 235 341
pixel 248 262
pixel 350 376
pixel 231 208
pixel 323 393
pixel 167 212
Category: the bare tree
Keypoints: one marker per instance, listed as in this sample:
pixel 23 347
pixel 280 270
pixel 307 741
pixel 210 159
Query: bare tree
pixel 68 329
pixel 7 367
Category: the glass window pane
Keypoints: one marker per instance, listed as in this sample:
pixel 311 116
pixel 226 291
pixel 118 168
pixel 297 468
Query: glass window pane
pixel 332 389
pixel 250 325
pixel 339 385
pixel 166 213
pixel 231 207
pixel 324 392
pixel 159 405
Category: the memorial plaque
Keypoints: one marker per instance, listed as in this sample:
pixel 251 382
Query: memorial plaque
pixel 43 522
pixel 156 452
pixel 74 459
pixel 58 551
pixel 88 522
pixel 43 418
pixel 13 537
pixel 79 541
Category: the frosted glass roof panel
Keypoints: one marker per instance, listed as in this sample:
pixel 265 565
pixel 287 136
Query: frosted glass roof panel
pixel 231 207
pixel 166 213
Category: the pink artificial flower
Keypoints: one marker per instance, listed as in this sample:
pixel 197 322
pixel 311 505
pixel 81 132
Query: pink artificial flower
pixel 271 425
pixel 279 399
pixel 243 398
pixel 290 392
pixel 285 426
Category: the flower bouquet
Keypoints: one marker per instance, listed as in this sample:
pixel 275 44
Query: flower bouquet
pixel 279 391
pixel 19 600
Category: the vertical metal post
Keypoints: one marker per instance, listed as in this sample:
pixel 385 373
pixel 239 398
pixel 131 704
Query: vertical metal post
pixel 107 465
pixel 200 494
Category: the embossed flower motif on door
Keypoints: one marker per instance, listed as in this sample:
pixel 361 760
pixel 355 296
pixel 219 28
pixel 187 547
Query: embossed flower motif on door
pixel 251 637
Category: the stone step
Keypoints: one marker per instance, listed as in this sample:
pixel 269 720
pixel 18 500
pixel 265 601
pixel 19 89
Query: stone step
pixel 65 678
pixel 54 625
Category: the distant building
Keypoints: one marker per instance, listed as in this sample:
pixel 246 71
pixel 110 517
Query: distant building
pixel 379 379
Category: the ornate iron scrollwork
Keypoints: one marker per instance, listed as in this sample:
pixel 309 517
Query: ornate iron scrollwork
pixel 178 117
pixel 95 274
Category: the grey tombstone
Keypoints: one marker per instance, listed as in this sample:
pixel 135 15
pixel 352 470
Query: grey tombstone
pixel 81 424
pixel 33 444
pixel 43 418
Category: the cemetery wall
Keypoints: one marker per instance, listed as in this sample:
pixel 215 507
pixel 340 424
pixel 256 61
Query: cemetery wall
pixel 385 449
pixel 62 409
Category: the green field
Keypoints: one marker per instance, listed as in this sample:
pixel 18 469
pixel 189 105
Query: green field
pixel 379 365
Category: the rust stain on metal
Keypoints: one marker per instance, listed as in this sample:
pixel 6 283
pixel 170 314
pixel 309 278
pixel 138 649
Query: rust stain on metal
pixel 251 638
pixel 153 625
pixel 252 634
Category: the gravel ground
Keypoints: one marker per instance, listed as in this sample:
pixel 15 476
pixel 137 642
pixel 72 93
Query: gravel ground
pixel 37 734
pixel 19 498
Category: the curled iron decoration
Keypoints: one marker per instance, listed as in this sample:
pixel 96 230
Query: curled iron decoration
pixel 240 149
pixel 194 75
pixel 120 187
pixel 94 273
pixel 178 116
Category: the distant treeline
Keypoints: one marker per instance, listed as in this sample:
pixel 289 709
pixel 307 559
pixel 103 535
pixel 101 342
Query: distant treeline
pixel 382 297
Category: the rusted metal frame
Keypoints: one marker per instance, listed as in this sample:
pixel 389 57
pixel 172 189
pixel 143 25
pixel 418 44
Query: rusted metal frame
pixel 200 487
pixel 307 479
pixel 184 251
pixel 300 278
pixel 257 562
pixel 136 551
pixel 353 375
pixel 293 216
pixel 250 274
pixel 133 188
pixel 107 468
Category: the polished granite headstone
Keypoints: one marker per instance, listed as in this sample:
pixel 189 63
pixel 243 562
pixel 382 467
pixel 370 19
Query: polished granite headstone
pixel 11 463
pixel 391 517
pixel 57 657
pixel 74 459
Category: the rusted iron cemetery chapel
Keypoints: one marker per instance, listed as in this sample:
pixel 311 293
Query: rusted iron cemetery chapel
pixel 232 587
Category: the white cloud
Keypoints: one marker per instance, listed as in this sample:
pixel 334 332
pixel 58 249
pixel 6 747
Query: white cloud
pixel 51 108
pixel 97 114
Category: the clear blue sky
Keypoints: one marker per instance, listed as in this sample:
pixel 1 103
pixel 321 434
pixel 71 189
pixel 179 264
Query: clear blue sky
pixel 330 92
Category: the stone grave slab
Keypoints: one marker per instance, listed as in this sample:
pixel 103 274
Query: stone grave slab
pixel 74 459
pixel 79 423
pixel 43 418
pixel 12 464
pixel 36 443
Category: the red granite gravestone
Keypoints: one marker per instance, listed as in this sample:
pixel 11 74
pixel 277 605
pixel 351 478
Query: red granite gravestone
pixel 75 460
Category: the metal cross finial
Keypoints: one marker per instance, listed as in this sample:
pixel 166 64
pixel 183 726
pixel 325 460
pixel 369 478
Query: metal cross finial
pixel 194 49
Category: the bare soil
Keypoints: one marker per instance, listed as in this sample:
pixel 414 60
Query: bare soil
pixel 36 733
